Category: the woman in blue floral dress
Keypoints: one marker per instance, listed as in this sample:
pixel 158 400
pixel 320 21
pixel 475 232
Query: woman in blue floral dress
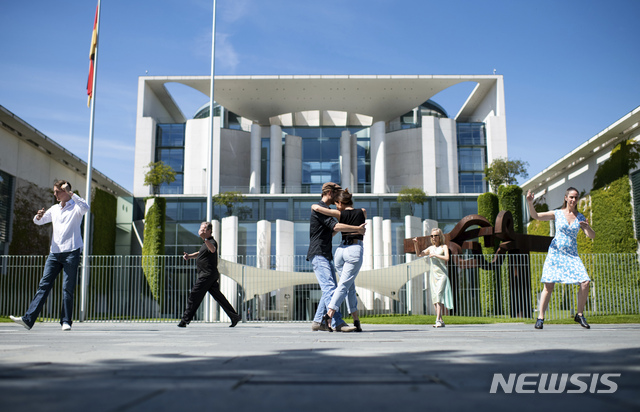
pixel 563 265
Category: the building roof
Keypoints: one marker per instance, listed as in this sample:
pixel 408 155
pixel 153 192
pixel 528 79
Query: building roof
pixel 29 134
pixel 612 135
pixel 382 97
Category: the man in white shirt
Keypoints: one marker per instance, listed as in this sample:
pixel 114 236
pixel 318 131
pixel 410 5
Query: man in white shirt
pixel 66 247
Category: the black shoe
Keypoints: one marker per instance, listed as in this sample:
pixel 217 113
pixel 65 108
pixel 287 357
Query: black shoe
pixel 539 323
pixel 356 323
pixel 582 321
pixel 326 320
pixel 234 320
pixel 182 324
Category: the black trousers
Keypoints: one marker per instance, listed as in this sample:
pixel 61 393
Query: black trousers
pixel 203 285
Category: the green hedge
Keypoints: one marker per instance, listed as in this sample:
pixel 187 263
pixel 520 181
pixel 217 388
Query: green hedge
pixel 510 198
pixel 488 207
pixel 104 210
pixel 153 247
pixel 613 218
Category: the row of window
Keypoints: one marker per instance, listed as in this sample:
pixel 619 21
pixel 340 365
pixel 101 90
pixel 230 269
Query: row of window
pixel 321 156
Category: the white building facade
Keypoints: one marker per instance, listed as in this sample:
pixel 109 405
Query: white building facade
pixel 276 139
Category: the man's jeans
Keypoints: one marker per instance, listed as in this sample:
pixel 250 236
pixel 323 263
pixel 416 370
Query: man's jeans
pixel 326 275
pixel 68 262
pixel 348 260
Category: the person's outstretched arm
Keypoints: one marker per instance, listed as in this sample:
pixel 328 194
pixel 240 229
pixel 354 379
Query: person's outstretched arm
pixel 532 211
pixel 326 211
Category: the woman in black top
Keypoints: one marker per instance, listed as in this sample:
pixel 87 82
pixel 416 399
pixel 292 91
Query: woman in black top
pixel 348 256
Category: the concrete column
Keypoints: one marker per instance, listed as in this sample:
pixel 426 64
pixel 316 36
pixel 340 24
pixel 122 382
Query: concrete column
pixel 215 170
pixel 229 251
pixel 449 132
pixel 378 245
pixel 428 225
pixel 275 160
pixel 293 164
pixel 429 175
pixel 367 254
pixel 256 149
pixel 263 234
pixel 345 160
pixel 386 240
pixel 285 249
pixel 354 163
pixel 413 228
pixel 378 162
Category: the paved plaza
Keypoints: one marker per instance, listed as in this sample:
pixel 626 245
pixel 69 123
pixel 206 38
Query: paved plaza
pixel 158 367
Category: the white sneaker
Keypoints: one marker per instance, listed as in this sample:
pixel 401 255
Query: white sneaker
pixel 19 321
pixel 439 324
pixel 66 326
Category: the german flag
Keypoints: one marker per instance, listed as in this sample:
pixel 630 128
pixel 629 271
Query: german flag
pixel 92 55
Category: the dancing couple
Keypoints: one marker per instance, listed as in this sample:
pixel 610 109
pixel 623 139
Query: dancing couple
pixel 348 258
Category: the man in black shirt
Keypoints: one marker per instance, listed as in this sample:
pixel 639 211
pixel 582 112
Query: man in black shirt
pixel 208 278
pixel 321 228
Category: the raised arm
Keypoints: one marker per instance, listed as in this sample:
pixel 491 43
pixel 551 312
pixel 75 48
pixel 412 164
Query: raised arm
pixel 532 211
pixel 326 211
pixel 419 253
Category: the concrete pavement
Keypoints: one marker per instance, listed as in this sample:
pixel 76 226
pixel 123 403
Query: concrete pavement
pixel 286 367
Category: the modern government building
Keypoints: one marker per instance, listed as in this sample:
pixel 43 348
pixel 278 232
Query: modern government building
pixel 276 139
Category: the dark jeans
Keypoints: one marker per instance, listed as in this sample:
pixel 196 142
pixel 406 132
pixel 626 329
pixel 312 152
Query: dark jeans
pixel 203 285
pixel 68 263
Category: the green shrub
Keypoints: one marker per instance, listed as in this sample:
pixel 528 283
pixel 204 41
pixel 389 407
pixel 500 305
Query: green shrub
pixel 153 247
pixel 510 198
pixel 104 209
pixel 488 207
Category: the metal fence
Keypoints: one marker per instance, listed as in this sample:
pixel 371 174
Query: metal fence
pixel 268 289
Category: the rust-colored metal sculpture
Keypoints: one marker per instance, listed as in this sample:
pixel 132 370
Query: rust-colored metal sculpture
pixel 503 236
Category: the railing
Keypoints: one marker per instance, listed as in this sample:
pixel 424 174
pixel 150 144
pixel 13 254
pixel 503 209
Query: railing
pixel 118 288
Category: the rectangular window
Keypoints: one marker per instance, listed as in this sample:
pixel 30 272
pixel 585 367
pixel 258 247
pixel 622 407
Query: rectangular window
pixel 472 157
pixel 170 150
pixel 276 210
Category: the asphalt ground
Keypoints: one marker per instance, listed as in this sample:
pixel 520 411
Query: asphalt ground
pixel 286 367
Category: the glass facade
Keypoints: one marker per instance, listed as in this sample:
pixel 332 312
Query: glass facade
pixel 184 216
pixel 321 157
pixel 170 150
pixel 472 157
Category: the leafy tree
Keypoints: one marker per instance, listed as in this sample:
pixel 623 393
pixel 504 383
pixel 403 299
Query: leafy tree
pixel 503 172
pixel 159 173
pixel 228 199
pixel 412 196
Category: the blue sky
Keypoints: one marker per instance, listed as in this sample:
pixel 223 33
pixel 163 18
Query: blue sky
pixel 571 67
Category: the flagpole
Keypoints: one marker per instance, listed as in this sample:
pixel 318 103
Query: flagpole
pixel 208 302
pixel 210 154
pixel 87 219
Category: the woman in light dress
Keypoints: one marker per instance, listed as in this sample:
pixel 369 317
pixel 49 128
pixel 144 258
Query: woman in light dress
pixel 563 265
pixel 438 254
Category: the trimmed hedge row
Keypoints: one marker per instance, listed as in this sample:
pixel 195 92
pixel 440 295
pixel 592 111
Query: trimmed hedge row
pixel 153 247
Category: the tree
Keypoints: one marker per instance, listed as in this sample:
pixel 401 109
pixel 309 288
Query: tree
pixel 228 199
pixel 159 173
pixel 504 172
pixel 412 196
